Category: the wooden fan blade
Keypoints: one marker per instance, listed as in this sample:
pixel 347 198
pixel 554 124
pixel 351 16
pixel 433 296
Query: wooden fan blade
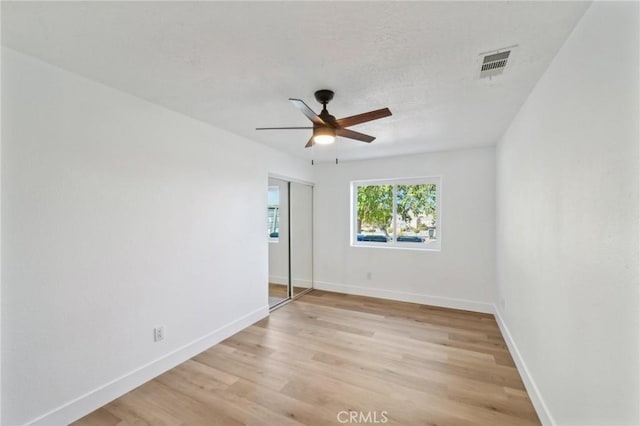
pixel 364 117
pixel 282 128
pixel 346 133
pixel 310 143
pixel 308 112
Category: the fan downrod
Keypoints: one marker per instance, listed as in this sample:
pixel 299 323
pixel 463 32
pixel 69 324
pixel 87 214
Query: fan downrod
pixel 324 96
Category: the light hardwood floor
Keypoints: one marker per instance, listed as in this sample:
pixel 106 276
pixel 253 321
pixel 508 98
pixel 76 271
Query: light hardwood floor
pixel 328 353
pixel 278 290
pixel 277 293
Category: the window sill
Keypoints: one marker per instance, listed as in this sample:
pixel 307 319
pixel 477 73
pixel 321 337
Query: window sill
pixel 395 246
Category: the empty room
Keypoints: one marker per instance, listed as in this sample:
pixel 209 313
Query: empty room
pixel 320 213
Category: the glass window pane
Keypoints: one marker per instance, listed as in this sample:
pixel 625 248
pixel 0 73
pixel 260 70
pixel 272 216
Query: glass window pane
pixel 416 218
pixel 274 213
pixel 375 213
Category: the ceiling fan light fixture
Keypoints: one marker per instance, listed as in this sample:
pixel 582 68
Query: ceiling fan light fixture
pixel 324 135
pixel 326 127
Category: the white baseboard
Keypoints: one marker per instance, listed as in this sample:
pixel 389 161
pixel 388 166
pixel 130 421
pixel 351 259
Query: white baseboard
pixel 401 296
pixel 302 283
pixel 534 393
pixel 106 393
pixel 285 281
pixel 278 280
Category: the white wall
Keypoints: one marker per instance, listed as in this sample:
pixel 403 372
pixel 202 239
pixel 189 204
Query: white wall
pixel 462 275
pixel 567 241
pixel 118 216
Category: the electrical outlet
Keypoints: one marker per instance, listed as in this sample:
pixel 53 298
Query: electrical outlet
pixel 368 275
pixel 158 334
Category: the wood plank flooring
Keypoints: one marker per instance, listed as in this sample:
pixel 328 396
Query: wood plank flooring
pixel 278 291
pixel 325 355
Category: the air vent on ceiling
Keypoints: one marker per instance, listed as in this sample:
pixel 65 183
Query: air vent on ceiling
pixel 494 64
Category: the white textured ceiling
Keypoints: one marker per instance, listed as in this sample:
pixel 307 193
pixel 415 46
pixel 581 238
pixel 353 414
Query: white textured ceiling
pixel 235 64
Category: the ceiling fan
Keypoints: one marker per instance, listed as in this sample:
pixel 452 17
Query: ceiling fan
pixel 326 127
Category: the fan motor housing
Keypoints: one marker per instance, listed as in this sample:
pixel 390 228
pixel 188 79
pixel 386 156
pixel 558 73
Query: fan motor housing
pixel 327 118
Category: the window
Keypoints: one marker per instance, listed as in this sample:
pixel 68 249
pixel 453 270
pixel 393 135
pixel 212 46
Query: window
pixel 274 214
pixel 397 213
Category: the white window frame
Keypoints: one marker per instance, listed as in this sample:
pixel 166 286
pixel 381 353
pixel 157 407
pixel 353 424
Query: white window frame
pixel 394 244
